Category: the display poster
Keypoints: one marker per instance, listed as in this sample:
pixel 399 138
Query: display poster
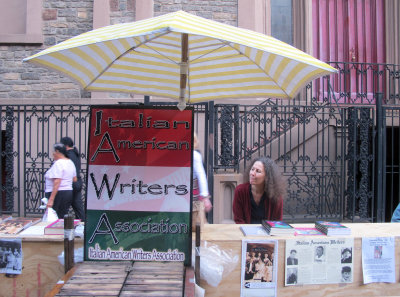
pixel 319 261
pixel 378 260
pixel 139 184
pixel 11 256
pixel 259 268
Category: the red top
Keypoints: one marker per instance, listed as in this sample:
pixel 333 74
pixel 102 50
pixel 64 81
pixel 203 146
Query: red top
pixel 242 206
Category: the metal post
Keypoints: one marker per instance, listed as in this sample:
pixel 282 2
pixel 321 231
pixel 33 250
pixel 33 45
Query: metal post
pixel 380 203
pixel 209 137
pixel 68 242
pixel 197 259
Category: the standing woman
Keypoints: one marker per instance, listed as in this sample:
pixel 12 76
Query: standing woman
pixel 58 181
pixel 261 196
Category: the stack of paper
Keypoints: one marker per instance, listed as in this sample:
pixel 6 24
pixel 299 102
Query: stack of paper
pixel 278 227
pixel 332 228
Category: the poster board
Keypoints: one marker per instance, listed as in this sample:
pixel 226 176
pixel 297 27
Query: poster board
pixel 139 184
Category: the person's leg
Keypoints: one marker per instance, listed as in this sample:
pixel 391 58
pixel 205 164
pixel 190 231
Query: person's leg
pixel 77 205
pixel 62 202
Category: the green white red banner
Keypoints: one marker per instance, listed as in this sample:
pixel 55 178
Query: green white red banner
pixel 139 184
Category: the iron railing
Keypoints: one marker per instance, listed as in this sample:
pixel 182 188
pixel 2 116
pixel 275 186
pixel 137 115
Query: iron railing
pixel 28 133
pixel 325 140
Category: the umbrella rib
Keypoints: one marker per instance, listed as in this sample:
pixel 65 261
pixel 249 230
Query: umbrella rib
pixel 208 53
pixel 126 52
pixel 228 43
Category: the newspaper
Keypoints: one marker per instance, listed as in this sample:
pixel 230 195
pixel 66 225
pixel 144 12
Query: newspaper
pixel 259 268
pixel 319 261
pixel 378 260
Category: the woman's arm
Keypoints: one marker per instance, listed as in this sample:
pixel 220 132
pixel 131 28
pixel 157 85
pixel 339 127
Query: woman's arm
pixel 238 208
pixel 56 185
pixel 277 211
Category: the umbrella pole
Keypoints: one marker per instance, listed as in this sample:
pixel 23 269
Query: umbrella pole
pixel 183 70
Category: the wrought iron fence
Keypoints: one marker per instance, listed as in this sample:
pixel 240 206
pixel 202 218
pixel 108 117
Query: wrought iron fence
pixel 325 140
pixel 306 141
pixel 359 83
pixel 28 133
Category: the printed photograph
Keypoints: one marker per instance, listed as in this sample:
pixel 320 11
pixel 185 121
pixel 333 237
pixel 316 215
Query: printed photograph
pixel 347 256
pixel 10 256
pixel 346 274
pixel 291 276
pixel 292 259
pixel 259 262
pixel 319 254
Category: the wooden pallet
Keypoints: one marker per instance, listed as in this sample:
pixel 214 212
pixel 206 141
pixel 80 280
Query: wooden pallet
pixel 126 279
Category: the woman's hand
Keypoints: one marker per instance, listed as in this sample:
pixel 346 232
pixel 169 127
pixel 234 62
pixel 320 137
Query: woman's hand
pixel 207 203
pixel 56 185
pixel 49 204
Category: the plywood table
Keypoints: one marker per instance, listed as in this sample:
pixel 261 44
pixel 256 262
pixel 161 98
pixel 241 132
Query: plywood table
pixel 229 236
pixel 41 269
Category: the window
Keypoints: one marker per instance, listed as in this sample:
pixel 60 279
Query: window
pixel 21 21
pixel 281 20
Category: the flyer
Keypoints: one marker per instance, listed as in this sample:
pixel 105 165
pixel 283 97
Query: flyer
pixel 259 268
pixel 319 261
pixel 378 260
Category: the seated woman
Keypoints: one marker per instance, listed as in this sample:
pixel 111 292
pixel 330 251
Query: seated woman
pixel 261 196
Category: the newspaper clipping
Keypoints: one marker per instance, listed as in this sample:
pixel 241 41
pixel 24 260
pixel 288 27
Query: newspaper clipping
pixel 378 260
pixel 319 261
pixel 259 268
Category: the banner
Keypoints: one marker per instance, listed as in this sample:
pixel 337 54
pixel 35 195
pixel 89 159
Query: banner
pixel 139 184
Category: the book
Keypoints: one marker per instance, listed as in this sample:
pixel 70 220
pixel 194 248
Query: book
pixel 332 228
pixel 16 225
pixel 307 231
pixel 57 227
pixel 254 231
pixel 278 227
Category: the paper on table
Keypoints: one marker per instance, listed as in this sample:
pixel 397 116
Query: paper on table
pixel 34 230
pixel 378 260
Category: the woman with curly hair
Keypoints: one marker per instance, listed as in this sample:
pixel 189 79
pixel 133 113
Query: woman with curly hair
pixel 261 196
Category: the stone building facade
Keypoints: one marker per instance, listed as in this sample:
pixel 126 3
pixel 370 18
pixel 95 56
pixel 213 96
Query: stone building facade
pixel 60 20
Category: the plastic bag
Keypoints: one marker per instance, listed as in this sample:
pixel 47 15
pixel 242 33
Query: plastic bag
pixel 215 263
pixel 50 215
pixel 78 256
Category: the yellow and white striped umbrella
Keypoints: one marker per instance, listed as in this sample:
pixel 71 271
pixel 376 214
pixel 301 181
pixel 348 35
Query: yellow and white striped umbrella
pixel 184 57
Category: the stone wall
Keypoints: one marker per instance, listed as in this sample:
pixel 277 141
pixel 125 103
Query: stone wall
pixel 122 11
pixel 224 11
pixel 68 18
pixel 61 20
